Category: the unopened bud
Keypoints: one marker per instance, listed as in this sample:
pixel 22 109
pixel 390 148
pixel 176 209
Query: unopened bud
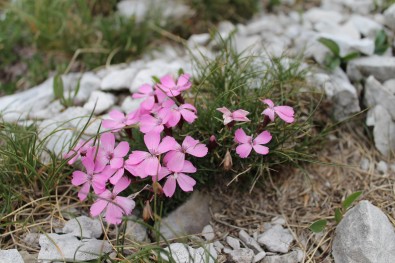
pixel 227 162
pixel 157 188
pixel 147 212
pixel 212 144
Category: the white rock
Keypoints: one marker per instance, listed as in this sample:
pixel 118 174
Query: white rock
pixel 242 255
pixel 347 30
pixel 287 258
pixel 376 94
pixel 118 80
pixel 208 253
pixel 389 85
pixel 251 44
pixel 348 45
pixel 225 29
pixel 301 254
pixel 249 241
pixel 208 233
pixel 315 15
pixel 198 40
pixel 365 235
pixel 88 83
pixel 264 25
pixel 10 256
pixel 383 131
pixel 218 246
pixel 382 68
pixel 233 242
pixel 83 227
pixel 67 247
pixel 364 164
pixel 258 257
pixel 389 17
pixel 100 102
pixel 50 111
pixel 382 167
pixel 365 25
pixel 135 8
pixel 182 253
pixel 136 231
pixel 278 220
pixel 276 239
pixel 129 104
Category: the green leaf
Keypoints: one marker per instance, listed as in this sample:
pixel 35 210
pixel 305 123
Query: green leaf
pixel 332 62
pixel 331 45
pixel 58 88
pixel 338 215
pixel 350 199
pixel 351 56
pixel 77 89
pixel 155 79
pixel 318 225
pixel 381 42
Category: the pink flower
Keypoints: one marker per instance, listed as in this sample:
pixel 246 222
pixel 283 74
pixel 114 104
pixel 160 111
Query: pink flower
pixel 146 91
pixel 247 143
pixel 96 176
pixel 116 206
pixel 179 177
pixel 237 115
pixel 119 120
pixel 82 149
pixel 173 89
pixel 109 154
pixel 186 111
pixel 175 157
pixel 286 113
pixel 149 123
pixel 147 163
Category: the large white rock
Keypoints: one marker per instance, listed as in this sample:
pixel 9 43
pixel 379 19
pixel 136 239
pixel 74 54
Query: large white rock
pixel 349 44
pixel 120 79
pixel 10 256
pixel 83 227
pixel 136 231
pixel 249 241
pixel 88 83
pixel 366 26
pixel 389 17
pixel 382 68
pixel 182 253
pixel 208 233
pixel 292 257
pixel 315 15
pixel 67 247
pixel 100 102
pixel 242 255
pixel 365 235
pixel 276 239
pixel 376 94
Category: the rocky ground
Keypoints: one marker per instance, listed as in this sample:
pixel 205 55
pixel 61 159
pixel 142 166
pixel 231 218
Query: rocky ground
pixel 270 227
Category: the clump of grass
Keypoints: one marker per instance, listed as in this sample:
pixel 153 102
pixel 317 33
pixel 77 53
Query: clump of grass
pixel 239 81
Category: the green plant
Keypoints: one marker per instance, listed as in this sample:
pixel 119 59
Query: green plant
pixel 335 60
pixel 59 92
pixel 381 42
pixel 319 225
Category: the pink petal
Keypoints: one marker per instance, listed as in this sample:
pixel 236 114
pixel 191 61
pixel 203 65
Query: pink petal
pixel 147 123
pixel 107 141
pixel 170 186
pixel 121 185
pixel 268 102
pixel 200 150
pixel 84 191
pixel 122 149
pixel 148 103
pixel 168 143
pixel 116 115
pixel 113 125
pixel 261 149
pixel 89 165
pixel 270 113
pixel 187 106
pixel 188 115
pixel 224 111
pixel 137 157
pixel 241 137
pixel 185 182
pixel 113 214
pixel 98 186
pixel 78 178
pixel 136 170
pixel 125 204
pixel 100 204
pixel 115 178
pixel 188 168
pixel 152 140
pixel 176 161
pixel 286 113
pixel 183 81
pixel 175 117
pixel 240 115
pixel 243 150
pixel 162 174
pixel 227 120
pixel 145 89
pixel 189 142
pixel 263 138
pixel 167 81
pixel 151 165
pixel 116 163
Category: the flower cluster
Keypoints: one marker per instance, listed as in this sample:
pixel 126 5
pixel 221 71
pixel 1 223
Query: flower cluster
pixel 247 143
pixel 110 168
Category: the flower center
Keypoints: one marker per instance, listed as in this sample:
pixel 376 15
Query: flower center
pixel 109 156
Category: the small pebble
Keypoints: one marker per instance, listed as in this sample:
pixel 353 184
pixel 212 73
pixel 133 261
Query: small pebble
pixel 208 233
pixel 233 242
pixel 382 167
pixel 258 257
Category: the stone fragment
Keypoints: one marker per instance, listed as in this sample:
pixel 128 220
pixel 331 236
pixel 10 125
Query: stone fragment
pixel 276 239
pixel 315 15
pixel 187 219
pixel 389 85
pixel 365 235
pixel 83 227
pixel 118 80
pixel 10 256
pixel 67 247
pixel 382 68
pixel 286 258
pixel 208 253
pixel 208 233
pixel 100 102
pixel 233 242
pixel 382 167
pixel 242 255
pixel 258 257
pixel 376 94
pixel 249 241
pixel 136 231
pixel 218 246
pixel 88 83
pixel 366 26
pixel 129 104
pixel 182 253
pixel 389 17
pixel 278 220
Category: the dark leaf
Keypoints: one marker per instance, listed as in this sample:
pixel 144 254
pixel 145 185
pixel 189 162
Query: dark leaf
pixel 350 199
pixel 338 215
pixel 318 226
pixel 331 45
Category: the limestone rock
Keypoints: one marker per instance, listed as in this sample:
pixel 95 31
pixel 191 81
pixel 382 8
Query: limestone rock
pixel 182 253
pixel 189 218
pixel 276 239
pixel 208 233
pixel 258 257
pixel 242 255
pixel 365 235
pixel 382 68
pixel 83 227
pixel 389 17
pixel 100 102
pixel 120 79
pixel 67 247
pixel 136 231
pixel 10 256
pixel 287 258
pixel 249 241
pixel 233 242
pixel 376 94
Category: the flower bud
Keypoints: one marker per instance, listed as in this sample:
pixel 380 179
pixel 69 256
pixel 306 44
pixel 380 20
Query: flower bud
pixel 157 188
pixel 227 162
pixel 147 212
pixel 212 144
